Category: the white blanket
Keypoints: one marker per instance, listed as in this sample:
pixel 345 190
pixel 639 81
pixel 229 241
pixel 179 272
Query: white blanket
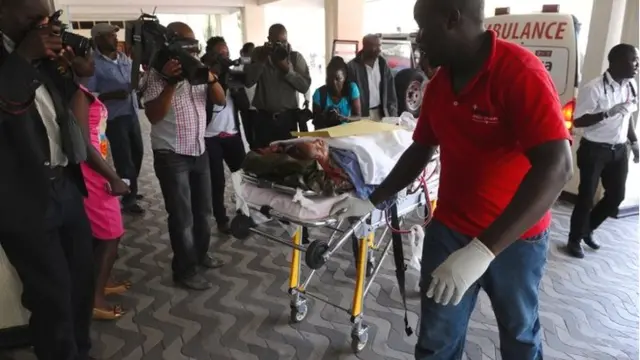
pixel 377 153
pixel 296 207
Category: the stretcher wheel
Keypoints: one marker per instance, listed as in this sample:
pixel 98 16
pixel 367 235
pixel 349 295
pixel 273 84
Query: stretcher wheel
pixel 314 256
pixel 298 313
pixel 240 226
pixel 359 341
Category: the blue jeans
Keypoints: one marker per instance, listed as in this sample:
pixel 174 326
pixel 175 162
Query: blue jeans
pixel 512 283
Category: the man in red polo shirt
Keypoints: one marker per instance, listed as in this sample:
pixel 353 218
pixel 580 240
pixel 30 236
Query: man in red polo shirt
pixel 494 112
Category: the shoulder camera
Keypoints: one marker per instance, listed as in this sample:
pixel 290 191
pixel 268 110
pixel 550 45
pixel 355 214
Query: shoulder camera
pixel 153 45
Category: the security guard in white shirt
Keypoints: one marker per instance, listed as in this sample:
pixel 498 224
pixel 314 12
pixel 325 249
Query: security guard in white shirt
pixel 604 109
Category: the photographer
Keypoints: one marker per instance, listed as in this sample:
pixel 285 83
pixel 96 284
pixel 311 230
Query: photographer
pixel 112 83
pixel 43 228
pixel 222 138
pixel 280 74
pixel 177 112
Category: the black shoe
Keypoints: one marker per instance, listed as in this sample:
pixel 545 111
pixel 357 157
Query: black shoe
pixel 133 209
pixel 590 242
pixel 224 228
pixel 574 248
pixel 210 262
pixel 194 282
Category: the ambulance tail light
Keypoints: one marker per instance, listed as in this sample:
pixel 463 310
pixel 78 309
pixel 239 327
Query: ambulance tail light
pixel 567 113
pixel 554 9
pixel 502 11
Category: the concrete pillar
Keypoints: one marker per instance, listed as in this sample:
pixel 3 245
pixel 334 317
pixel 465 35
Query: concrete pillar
pixel 254 28
pixel 605 32
pixel 630 36
pixel 344 20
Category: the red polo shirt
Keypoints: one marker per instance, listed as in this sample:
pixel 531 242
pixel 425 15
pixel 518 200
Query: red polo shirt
pixel 483 133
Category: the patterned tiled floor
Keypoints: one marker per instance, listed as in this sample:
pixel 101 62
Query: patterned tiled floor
pixel 589 308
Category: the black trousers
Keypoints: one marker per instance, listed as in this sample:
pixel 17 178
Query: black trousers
pixel 598 162
pixel 229 150
pixel 269 127
pixel 127 149
pixel 186 188
pixel 57 274
pixel 248 118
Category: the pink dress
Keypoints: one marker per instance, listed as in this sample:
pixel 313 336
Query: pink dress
pixel 102 208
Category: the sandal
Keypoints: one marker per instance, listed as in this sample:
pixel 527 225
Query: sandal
pixel 114 313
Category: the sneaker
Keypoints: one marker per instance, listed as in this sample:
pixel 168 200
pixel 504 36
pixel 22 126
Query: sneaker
pixel 194 282
pixel 209 262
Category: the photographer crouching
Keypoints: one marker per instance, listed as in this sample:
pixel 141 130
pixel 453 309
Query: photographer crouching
pixel 177 112
pixel 222 137
pixel 280 74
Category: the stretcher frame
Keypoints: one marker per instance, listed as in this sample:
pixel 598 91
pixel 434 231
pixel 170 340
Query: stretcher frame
pixel 367 265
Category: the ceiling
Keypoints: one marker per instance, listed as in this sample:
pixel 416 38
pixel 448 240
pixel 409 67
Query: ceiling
pixel 128 9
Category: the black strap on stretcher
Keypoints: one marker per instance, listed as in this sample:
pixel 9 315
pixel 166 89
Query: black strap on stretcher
pixel 401 267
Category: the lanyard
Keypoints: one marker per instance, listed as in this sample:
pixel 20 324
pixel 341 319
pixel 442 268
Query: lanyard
pixel 606 83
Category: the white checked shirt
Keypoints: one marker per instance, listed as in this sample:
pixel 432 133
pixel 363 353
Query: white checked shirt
pixel 183 128
pixel 592 99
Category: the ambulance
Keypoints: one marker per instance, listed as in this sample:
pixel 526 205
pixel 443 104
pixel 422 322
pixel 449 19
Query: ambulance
pixel 552 37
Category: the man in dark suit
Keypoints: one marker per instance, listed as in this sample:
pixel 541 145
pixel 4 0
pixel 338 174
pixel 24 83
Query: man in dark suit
pixel 43 228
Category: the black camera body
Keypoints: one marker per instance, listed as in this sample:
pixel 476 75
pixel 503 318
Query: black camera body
pixel 80 45
pixel 277 50
pixel 226 69
pixel 153 45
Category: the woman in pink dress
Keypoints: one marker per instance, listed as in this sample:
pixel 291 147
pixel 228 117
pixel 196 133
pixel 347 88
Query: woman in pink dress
pixel 102 204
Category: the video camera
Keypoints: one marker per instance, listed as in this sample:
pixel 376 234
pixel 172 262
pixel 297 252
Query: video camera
pixel 80 45
pixel 154 45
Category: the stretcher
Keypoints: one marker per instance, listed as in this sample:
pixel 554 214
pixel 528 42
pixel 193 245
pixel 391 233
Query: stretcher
pixel 369 251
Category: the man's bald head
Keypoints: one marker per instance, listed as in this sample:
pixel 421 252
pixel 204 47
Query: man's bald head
pixel 447 27
pixel 181 29
pixel 278 33
pixel 371 46
pixel 18 16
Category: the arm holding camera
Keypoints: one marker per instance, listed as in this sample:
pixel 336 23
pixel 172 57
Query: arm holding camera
pixel 160 91
pixel 216 94
pixel 17 74
pixel 297 72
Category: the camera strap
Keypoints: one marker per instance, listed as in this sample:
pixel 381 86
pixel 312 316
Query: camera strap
pixel 136 53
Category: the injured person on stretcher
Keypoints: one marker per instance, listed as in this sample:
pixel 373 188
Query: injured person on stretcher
pixel 311 179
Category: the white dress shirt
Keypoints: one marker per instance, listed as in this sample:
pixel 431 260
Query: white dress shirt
pixel 374 78
pixel 44 104
pixel 600 95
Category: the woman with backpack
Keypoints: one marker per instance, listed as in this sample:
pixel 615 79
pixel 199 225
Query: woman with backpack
pixel 338 100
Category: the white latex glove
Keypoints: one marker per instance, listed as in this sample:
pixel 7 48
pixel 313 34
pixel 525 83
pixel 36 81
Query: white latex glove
pixel 454 276
pixel 622 108
pixel 354 207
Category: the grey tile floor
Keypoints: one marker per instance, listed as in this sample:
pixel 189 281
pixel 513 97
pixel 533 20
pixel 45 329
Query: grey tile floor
pixel 589 308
